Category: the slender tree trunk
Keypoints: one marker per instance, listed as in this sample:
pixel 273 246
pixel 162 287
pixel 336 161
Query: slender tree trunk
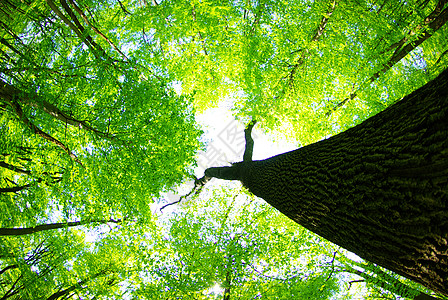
pixel 43 227
pixel 379 189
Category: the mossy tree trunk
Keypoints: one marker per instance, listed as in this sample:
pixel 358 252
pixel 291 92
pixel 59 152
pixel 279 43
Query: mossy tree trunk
pixel 379 189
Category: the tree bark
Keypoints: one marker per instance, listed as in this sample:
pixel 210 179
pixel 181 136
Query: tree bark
pixel 379 189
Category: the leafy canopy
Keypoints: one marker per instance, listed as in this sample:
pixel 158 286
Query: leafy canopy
pixel 97 120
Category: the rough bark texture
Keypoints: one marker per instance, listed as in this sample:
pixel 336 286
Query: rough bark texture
pixel 379 189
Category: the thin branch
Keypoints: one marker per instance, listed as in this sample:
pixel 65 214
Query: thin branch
pixel 227 173
pixel 441 56
pixel 315 39
pixel 43 227
pixel 324 21
pixel 12 291
pixel 81 13
pixel 332 266
pixel 88 41
pixel 199 183
pixel 58 114
pixel 436 21
pixel 16 189
pixel 354 281
pixel 52 110
pixel 14 168
pixel 18 109
pixel 256 19
pixel 8 268
pixel 13 49
pixel 124 8
pixel 248 152
pixel 228 284
pixel 76 286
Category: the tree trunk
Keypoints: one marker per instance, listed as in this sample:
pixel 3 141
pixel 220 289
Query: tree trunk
pixel 379 189
pixel 51 226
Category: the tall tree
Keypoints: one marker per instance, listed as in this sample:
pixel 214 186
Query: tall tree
pixel 378 189
pixel 97 121
pixel 84 125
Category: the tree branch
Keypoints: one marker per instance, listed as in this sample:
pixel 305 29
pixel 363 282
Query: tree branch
pixel 248 152
pixel 30 100
pixel 324 21
pixel 81 13
pixel 354 281
pixel 13 290
pixel 226 173
pixel 87 39
pixel 317 35
pixel 14 168
pixel 441 56
pixel 76 286
pixel 14 189
pixel 198 185
pixel 8 268
pixel 43 227
pixel 434 21
pixel 332 266
pixel 18 109
pixel 124 8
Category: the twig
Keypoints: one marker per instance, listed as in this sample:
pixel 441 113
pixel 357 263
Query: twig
pixel 332 266
pixel 199 183
pixel 354 281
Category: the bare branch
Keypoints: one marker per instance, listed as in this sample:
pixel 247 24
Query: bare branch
pixel 332 266
pixel 198 185
pixel 354 281
pixel 227 173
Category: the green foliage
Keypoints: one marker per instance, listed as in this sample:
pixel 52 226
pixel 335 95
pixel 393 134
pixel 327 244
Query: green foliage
pixel 97 120
pixel 132 136
pixel 235 242
pixel 287 73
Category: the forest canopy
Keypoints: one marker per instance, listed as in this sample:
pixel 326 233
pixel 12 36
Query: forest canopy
pixel 99 102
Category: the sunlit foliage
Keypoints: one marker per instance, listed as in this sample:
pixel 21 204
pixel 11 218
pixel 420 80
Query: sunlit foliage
pixel 97 120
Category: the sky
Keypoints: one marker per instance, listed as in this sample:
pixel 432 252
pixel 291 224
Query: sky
pixel 225 144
